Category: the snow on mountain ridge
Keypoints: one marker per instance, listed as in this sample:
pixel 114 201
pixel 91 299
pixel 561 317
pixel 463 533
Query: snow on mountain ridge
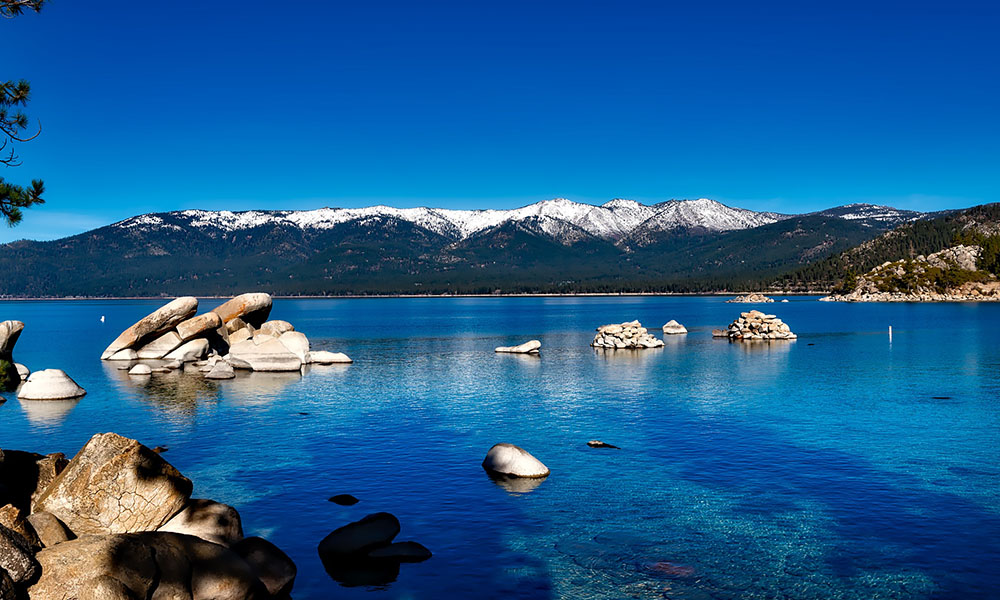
pixel 613 220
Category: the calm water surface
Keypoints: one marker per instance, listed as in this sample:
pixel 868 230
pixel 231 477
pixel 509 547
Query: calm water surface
pixel 841 465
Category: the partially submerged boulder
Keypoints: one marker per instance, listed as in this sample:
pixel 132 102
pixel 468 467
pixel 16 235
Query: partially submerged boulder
pixel 221 370
pixel 163 319
pixel 374 531
pixel 529 347
pixel 140 371
pixel 672 327
pixel 513 461
pixel 630 335
pixel 115 485
pixel 272 566
pixel 49 384
pixel 323 357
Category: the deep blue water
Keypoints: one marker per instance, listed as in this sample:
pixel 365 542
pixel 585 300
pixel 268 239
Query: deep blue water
pixel 839 465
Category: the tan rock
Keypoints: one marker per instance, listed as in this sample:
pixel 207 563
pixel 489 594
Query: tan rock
pixel 15 519
pixel 49 528
pixel 251 308
pixel 198 325
pixel 115 484
pixel 163 319
pixel 276 327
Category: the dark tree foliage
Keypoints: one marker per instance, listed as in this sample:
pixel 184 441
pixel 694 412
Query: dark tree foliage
pixel 14 128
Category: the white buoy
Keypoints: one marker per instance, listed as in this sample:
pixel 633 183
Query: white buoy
pixel 102 318
pixel 890 333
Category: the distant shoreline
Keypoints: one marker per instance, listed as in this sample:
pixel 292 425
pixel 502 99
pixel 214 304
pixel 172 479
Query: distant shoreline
pixel 366 296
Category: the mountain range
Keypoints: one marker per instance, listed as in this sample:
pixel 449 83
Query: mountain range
pixel 554 245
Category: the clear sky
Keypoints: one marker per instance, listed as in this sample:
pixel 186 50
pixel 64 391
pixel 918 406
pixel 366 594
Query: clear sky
pixel 797 106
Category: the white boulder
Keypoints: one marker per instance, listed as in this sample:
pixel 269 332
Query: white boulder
pixel 196 349
pixel 162 319
pixel 49 384
pixel 672 327
pixel 22 370
pixel 160 347
pixel 269 355
pixel 296 342
pixel 513 461
pixel 140 370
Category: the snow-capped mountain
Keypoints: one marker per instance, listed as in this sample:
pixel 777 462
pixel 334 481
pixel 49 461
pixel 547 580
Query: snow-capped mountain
pixel 873 215
pixel 613 220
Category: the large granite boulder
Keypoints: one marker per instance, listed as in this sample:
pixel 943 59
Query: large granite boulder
pixel 251 308
pixel 360 537
pixel 162 319
pixel 196 349
pixel 49 384
pixel 156 565
pixel 529 347
pixel 113 485
pixel 513 461
pixel 196 326
pixel 209 520
pixel 265 353
pixel 272 566
pixel 16 557
pixel 159 346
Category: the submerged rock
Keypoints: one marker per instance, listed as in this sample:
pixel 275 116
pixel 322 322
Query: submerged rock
pixel 529 347
pixel 344 500
pixel 402 552
pixel 513 461
pixel 49 384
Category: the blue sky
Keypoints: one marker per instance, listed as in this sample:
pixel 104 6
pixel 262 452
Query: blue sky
pixel 791 106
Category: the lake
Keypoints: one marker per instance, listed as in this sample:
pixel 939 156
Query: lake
pixel 839 465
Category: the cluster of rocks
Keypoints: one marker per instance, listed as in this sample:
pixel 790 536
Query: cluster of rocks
pixel 363 552
pixel 916 280
pixel 751 298
pixel 755 325
pixel 529 347
pixel 47 384
pixel 118 522
pixel 625 335
pixel 672 327
pixel 234 335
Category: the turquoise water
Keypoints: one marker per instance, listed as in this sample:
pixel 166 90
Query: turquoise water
pixel 841 465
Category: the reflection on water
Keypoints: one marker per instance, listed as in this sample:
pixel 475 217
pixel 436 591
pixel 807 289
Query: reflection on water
pixel 47 412
pixel 628 356
pixel 516 486
pixel 363 573
pixel 254 388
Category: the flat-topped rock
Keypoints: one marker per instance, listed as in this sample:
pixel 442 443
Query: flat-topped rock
pixel 268 355
pixel 513 461
pixel 529 347
pixel 161 320
pixel 630 335
pixel 49 384
pixel 672 327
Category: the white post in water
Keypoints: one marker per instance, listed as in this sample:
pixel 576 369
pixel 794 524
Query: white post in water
pixel 890 333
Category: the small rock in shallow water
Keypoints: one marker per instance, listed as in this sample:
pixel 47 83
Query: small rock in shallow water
pixel 600 444
pixel 344 500
pixel 140 370
pixel 160 449
pixel 671 569
pixel 359 538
